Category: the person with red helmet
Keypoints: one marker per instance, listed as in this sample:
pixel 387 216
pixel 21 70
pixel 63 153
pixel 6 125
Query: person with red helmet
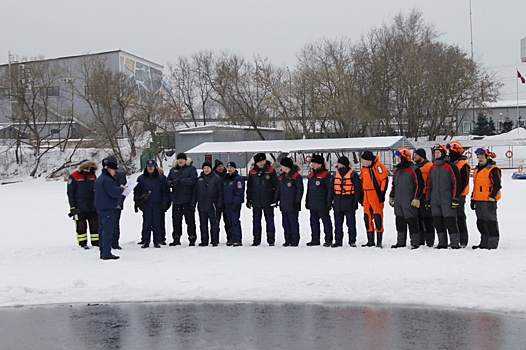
pixel 425 218
pixel 456 156
pixel 443 193
pixel 405 196
pixel 486 192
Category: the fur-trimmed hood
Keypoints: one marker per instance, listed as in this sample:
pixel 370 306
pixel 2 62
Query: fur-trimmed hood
pixel 87 165
pixel 189 162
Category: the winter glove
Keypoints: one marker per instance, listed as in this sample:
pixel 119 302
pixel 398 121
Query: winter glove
pixel 136 207
pixel 491 199
pixel 381 197
pixel 249 204
pixel 165 206
pixel 355 206
pixel 472 204
pixel 73 211
pixel 415 203
pixel 391 201
pixel 454 203
pixel 427 204
pixel 175 182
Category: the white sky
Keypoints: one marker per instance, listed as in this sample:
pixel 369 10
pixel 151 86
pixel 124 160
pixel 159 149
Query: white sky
pixel 278 29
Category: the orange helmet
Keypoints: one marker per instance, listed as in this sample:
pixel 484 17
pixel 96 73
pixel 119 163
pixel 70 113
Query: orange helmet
pixel 439 147
pixel 403 153
pixel 455 146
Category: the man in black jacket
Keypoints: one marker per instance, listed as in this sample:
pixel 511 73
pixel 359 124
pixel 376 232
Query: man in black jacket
pixel 209 199
pixel 182 179
pixel 318 201
pixel 262 186
pixel 220 170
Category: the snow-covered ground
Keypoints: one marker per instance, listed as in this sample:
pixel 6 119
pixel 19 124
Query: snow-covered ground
pixel 41 264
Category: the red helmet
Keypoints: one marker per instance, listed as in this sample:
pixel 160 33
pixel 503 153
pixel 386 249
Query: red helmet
pixel 455 146
pixel 439 147
pixel 403 153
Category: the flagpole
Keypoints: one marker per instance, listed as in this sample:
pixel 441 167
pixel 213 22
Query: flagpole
pixel 518 117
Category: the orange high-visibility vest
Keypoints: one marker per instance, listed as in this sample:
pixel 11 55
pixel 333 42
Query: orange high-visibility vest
pixel 483 185
pixel 460 164
pixel 343 185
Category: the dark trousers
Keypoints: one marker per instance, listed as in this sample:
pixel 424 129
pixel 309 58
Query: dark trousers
pixel 188 212
pixel 163 226
pixel 204 218
pixel 350 217
pixel 151 222
pixel 233 213
pixel 116 228
pixel 315 216
pixel 401 228
pixel 462 221
pixel 291 226
pixel 107 223
pixel 257 213
pixel 222 213
pixel 81 225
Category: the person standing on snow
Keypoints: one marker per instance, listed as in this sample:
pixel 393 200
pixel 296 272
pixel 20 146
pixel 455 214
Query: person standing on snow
pixel 290 193
pixel 345 195
pixel 487 183
pixel 120 177
pixel 443 192
pixel 262 184
pixel 152 197
pixel 405 196
pixel 107 196
pixel 209 196
pixel 456 156
pixel 80 191
pixel 182 179
pixel 374 178
pixel 233 196
pixel 220 170
pixel 425 218
pixel 318 201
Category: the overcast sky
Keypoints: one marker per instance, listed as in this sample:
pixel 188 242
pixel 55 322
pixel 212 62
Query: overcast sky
pixel 278 29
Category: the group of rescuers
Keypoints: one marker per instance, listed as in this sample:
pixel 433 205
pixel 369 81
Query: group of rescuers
pixel 428 197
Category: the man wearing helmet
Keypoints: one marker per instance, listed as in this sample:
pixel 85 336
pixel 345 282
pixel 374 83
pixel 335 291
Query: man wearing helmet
pixel 443 192
pixel 456 156
pixel 486 192
pixel 405 195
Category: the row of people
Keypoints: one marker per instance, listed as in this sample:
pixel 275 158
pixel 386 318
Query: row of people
pixel 426 196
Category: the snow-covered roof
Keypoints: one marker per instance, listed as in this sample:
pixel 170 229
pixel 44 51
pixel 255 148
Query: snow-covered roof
pixel 304 145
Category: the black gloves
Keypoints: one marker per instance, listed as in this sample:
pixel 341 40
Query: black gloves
pixel 165 206
pixel 355 206
pixel 472 204
pixel 249 204
pixel 136 207
pixel 454 203
pixel 73 211
pixel 175 182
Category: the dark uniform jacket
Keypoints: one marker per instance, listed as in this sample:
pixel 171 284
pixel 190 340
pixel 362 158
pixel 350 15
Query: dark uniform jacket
pixel 290 191
pixel 234 190
pixel 154 189
pixel 319 190
pixel 107 192
pixel 120 177
pixel 182 180
pixel 262 185
pixel 209 192
pixel 81 187
pixel 408 184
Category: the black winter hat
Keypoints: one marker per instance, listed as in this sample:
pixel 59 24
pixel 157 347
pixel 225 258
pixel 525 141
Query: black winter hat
pixel 421 152
pixel 181 156
pixel 367 155
pixel 343 160
pixel 206 163
pixel 110 162
pixel 218 163
pixel 259 157
pixel 287 162
pixel 318 159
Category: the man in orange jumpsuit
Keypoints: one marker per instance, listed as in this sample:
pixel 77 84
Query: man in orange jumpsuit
pixel 374 178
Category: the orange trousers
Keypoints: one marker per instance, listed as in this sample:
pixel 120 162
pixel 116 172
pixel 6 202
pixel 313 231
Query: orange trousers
pixel 373 212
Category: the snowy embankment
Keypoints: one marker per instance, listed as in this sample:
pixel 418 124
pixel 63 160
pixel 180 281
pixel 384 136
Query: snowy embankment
pixel 41 264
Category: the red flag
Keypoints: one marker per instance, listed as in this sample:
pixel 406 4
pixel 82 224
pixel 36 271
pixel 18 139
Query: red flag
pixel 519 75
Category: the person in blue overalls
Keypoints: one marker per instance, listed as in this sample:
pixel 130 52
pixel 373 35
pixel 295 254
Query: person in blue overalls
pixel 107 196
pixel 152 197
pixel 234 196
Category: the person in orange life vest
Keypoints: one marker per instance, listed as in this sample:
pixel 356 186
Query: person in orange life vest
pixel 405 196
pixel 374 178
pixel 345 195
pixel 425 219
pixel 456 156
pixel 486 192
pixel 290 193
pixel 443 191
pixel 80 191
pixel 318 201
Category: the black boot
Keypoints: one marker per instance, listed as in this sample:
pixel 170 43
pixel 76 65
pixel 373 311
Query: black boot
pixel 176 241
pixel 442 240
pixel 191 240
pixel 493 242
pixel 401 240
pixel 455 240
pixel 379 237
pixel 312 244
pixel 370 240
pixel 483 242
